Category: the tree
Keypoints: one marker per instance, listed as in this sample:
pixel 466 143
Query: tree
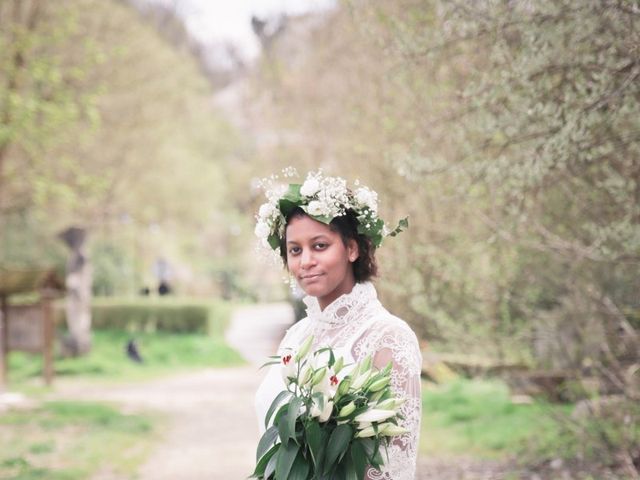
pixel 509 133
pixel 39 98
pixel 140 159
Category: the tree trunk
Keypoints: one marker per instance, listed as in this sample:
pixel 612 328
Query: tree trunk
pixel 78 283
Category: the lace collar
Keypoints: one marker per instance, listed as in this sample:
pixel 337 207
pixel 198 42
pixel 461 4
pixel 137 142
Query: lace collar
pixel 343 308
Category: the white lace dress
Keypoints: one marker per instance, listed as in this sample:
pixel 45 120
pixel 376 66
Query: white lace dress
pixel 356 325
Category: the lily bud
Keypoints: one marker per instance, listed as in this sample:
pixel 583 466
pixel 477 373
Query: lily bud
pixel 319 376
pixel 305 374
pixel 304 348
pixel 366 364
pixel 388 404
pixel 399 402
pixel 361 380
pixel 338 365
pixel 377 395
pixel 375 415
pixel 390 429
pixel 367 432
pixel 379 384
pixel 343 387
pixel 348 409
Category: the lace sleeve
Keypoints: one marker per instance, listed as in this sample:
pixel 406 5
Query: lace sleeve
pixel 393 340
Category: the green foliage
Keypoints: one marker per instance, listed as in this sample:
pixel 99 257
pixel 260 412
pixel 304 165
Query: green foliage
pixel 508 133
pixel 542 160
pixel 478 417
pixel 58 414
pixel 113 272
pixel 162 353
pixel 153 314
pixel 97 111
pixel 25 241
pixel 594 437
pixel 149 316
pixel 93 435
pixel 44 93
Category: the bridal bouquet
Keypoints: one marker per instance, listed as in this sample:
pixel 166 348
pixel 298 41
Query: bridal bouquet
pixel 328 423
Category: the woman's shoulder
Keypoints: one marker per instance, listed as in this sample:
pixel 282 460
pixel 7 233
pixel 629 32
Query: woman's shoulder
pixel 389 332
pixel 387 328
pixel 385 321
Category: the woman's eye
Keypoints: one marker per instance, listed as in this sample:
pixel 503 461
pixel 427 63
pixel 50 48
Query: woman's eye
pixel 321 246
pixel 294 250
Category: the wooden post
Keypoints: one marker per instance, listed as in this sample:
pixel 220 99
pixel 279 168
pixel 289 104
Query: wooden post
pixel 47 337
pixel 4 340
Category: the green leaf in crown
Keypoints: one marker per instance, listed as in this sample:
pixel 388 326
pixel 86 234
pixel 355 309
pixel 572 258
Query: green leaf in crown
pixel 402 225
pixel 290 200
pixel 320 218
pixel 274 241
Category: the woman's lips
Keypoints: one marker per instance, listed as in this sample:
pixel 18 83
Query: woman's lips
pixel 310 277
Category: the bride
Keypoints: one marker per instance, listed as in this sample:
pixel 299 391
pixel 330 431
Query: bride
pixel 327 235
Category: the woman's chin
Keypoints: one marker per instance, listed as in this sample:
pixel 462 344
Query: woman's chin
pixel 313 290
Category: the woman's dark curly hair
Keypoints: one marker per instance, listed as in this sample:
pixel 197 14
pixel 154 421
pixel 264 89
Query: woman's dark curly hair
pixel 365 267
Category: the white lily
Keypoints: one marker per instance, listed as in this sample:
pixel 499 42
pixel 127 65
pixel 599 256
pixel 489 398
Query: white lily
pixel 288 369
pixel 323 383
pixel 324 414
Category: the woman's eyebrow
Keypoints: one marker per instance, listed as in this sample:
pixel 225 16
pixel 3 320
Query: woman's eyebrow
pixel 313 239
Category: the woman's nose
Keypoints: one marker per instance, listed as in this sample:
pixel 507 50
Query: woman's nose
pixel 306 258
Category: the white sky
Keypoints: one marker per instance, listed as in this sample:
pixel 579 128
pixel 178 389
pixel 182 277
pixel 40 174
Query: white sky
pixel 223 21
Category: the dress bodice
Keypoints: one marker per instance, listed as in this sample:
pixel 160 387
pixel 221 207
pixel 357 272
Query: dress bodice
pixel 356 325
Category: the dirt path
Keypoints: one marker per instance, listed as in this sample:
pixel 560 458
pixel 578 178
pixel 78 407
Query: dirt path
pixel 212 431
pixel 464 468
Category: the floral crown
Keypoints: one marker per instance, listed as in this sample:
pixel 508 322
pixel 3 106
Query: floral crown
pixel 323 199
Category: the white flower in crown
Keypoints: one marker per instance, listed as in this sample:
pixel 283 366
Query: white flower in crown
pixel 262 230
pixel 310 187
pixel 316 208
pixel 267 210
pixel 275 192
pixel 367 198
pixel 335 194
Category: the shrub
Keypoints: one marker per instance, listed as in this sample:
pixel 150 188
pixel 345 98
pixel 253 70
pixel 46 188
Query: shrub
pixel 150 315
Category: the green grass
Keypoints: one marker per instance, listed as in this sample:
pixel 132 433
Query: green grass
pixel 477 418
pixel 72 441
pixel 162 353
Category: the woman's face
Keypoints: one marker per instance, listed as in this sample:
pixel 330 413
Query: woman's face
pixel 319 259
